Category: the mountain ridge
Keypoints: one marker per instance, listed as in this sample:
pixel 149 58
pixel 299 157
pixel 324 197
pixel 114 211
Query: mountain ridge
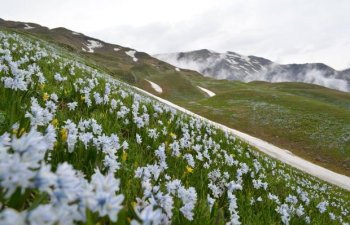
pixel 233 66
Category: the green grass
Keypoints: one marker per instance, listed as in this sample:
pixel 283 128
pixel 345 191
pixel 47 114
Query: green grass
pixel 229 105
pixel 309 120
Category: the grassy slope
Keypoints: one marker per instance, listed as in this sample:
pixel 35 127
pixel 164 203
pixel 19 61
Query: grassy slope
pixel 281 179
pixel 309 120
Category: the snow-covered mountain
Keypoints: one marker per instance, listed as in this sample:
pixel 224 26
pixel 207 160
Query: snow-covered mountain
pixel 234 66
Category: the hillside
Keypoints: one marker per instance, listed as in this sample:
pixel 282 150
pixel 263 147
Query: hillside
pixel 309 120
pixel 125 63
pixel 78 146
pixel 233 66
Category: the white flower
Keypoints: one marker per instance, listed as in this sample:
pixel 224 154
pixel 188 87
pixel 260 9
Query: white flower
pixel 285 212
pixel 114 104
pixel 111 163
pixel 12 217
pixel 38 115
pixel 232 208
pixel 331 216
pixel 54 97
pixel 138 139
pixel 166 202
pixel 123 112
pixel 125 145
pixel 307 220
pixel 15 126
pixel 31 146
pixel 152 133
pixel 96 128
pixel 59 78
pixel 322 206
pixel 21 78
pixel 292 199
pixel 87 101
pixel 17 168
pixel 105 183
pixel 42 215
pixel 175 148
pixel 274 198
pixel 160 153
pixel 72 105
pixel 44 178
pixel 106 204
pixel 259 184
pixel 210 201
pixel 173 186
pixel 190 160
pixel 98 98
pixel 148 216
pixel 41 78
pixel 72 138
pixel 232 186
pixel 50 136
pixel 86 138
pixel 104 199
pixel 189 199
pixel 252 201
pixel 304 196
pixel 138 121
pixel 67 184
pixel 300 211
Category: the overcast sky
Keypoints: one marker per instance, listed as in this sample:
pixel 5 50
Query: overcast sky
pixel 285 31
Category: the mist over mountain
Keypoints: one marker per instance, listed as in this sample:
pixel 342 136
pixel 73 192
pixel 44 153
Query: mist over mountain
pixel 234 66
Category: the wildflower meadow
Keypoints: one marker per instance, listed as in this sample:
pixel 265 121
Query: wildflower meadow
pixel 80 147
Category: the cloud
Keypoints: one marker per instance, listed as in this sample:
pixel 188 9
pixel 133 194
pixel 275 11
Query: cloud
pixel 285 31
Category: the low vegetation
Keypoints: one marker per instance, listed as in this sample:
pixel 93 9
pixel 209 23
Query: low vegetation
pixel 78 146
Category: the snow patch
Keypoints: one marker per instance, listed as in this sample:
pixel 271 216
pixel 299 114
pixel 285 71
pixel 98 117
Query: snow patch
pixel 155 86
pixel 116 49
pixel 131 53
pixel 177 69
pixel 75 33
pixel 210 93
pixel 28 27
pixel 91 45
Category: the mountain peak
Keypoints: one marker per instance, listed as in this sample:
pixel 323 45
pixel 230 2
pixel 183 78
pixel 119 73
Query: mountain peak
pixel 234 66
pixel 202 51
